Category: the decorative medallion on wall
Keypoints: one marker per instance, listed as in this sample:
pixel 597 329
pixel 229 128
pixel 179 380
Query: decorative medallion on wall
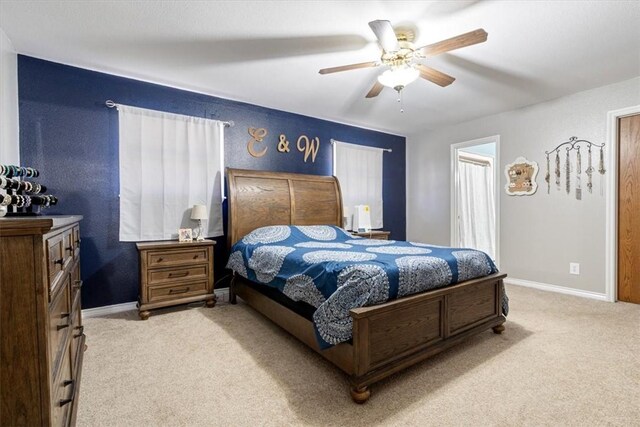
pixel 521 177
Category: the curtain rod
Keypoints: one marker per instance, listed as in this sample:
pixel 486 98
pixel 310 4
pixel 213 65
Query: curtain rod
pixel 389 150
pixel 110 104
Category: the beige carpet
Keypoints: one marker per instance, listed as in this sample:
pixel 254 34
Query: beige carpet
pixel 562 361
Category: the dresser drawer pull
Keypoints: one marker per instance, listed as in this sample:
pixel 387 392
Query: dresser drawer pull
pixel 66 325
pixel 178 291
pixel 196 256
pixel 160 259
pixel 59 261
pixel 65 402
pixel 63 315
pixel 186 273
pixel 78 284
pixel 69 248
pixel 66 383
pixel 81 329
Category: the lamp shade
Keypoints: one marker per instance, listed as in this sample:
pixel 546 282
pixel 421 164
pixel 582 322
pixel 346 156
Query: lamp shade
pixel 398 77
pixel 199 212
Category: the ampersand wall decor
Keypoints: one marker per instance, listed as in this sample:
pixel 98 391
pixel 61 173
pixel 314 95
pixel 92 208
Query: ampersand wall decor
pixel 283 144
pixel 257 135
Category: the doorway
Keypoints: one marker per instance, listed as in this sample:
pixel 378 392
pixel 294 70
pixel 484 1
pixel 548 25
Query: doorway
pixel 475 196
pixel 628 207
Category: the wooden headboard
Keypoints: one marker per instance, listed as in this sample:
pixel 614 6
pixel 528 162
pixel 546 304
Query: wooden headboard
pixel 259 198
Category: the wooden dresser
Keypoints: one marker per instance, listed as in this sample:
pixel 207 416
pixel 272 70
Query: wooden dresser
pixel 42 342
pixel 173 273
pixel 373 234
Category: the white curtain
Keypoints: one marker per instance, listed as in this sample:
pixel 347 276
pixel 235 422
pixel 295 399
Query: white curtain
pixel 168 163
pixel 359 171
pixel 476 206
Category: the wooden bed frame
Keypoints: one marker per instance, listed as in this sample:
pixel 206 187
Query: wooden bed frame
pixel 387 337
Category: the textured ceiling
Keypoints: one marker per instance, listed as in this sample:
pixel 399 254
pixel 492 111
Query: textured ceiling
pixel 269 52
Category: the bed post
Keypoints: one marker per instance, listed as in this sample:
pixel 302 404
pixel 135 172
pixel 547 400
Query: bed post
pixel 360 394
pixel 232 291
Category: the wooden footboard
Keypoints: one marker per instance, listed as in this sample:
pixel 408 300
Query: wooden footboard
pixel 392 336
pixel 395 335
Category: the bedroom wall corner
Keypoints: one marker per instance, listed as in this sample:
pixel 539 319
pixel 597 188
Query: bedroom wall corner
pixel 540 234
pixel 9 134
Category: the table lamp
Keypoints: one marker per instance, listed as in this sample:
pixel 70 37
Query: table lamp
pixel 199 212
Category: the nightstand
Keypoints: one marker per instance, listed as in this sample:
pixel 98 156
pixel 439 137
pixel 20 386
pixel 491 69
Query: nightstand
pixel 373 234
pixel 173 273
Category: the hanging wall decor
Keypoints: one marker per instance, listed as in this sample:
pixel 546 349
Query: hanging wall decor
pixel 575 144
pixel 521 177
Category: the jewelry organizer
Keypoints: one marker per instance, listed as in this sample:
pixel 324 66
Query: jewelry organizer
pixel 23 198
pixel 574 144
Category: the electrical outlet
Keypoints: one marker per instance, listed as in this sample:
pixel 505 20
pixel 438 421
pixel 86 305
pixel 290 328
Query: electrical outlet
pixel 574 268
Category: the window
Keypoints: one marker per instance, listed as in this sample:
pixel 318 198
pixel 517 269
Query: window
pixel 359 171
pixel 168 163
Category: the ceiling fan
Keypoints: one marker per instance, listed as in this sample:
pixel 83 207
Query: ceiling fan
pixel 403 58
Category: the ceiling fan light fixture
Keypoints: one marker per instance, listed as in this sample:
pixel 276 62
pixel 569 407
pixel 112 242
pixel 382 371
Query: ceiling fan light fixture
pixel 398 77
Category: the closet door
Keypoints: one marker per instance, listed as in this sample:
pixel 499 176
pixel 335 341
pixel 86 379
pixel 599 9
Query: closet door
pixel 629 209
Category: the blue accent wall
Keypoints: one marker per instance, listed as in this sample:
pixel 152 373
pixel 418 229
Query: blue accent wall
pixel 68 133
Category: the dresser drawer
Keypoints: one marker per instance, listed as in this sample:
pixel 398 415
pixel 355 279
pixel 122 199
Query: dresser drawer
pixel 62 392
pixel 171 275
pixel 75 237
pixel 76 281
pixel 59 322
pixel 55 260
pixel 176 257
pixel 174 291
pixel 60 253
pixel 76 331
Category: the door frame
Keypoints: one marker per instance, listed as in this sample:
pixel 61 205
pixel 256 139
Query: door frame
pixel 611 221
pixel 454 185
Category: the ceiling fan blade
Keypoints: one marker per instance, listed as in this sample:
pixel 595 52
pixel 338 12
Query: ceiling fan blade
pixel 463 40
pixel 385 34
pixel 349 67
pixel 434 76
pixel 375 90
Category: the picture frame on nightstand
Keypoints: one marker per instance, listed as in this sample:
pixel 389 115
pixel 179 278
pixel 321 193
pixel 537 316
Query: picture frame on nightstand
pixel 185 235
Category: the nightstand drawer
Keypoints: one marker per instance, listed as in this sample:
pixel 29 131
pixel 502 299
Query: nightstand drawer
pixel 171 275
pixel 176 257
pixel 174 291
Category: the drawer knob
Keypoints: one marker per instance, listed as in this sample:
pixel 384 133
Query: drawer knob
pixel 160 259
pixel 67 382
pixel 59 261
pixel 65 401
pixel 186 273
pixel 195 256
pixel 78 284
pixel 59 327
pixel 63 315
pixel 79 334
pixel 78 242
pixel 178 291
pixel 69 248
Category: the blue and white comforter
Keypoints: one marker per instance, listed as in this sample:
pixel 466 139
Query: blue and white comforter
pixel 332 270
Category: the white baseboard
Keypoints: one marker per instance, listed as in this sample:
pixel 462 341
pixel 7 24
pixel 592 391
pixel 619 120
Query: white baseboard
pixel 556 288
pixel 222 294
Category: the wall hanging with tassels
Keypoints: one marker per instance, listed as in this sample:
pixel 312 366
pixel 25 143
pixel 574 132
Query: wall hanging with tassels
pixel 574 144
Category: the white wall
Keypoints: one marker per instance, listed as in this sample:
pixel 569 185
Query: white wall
pixel 9 135
pixel 539 234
